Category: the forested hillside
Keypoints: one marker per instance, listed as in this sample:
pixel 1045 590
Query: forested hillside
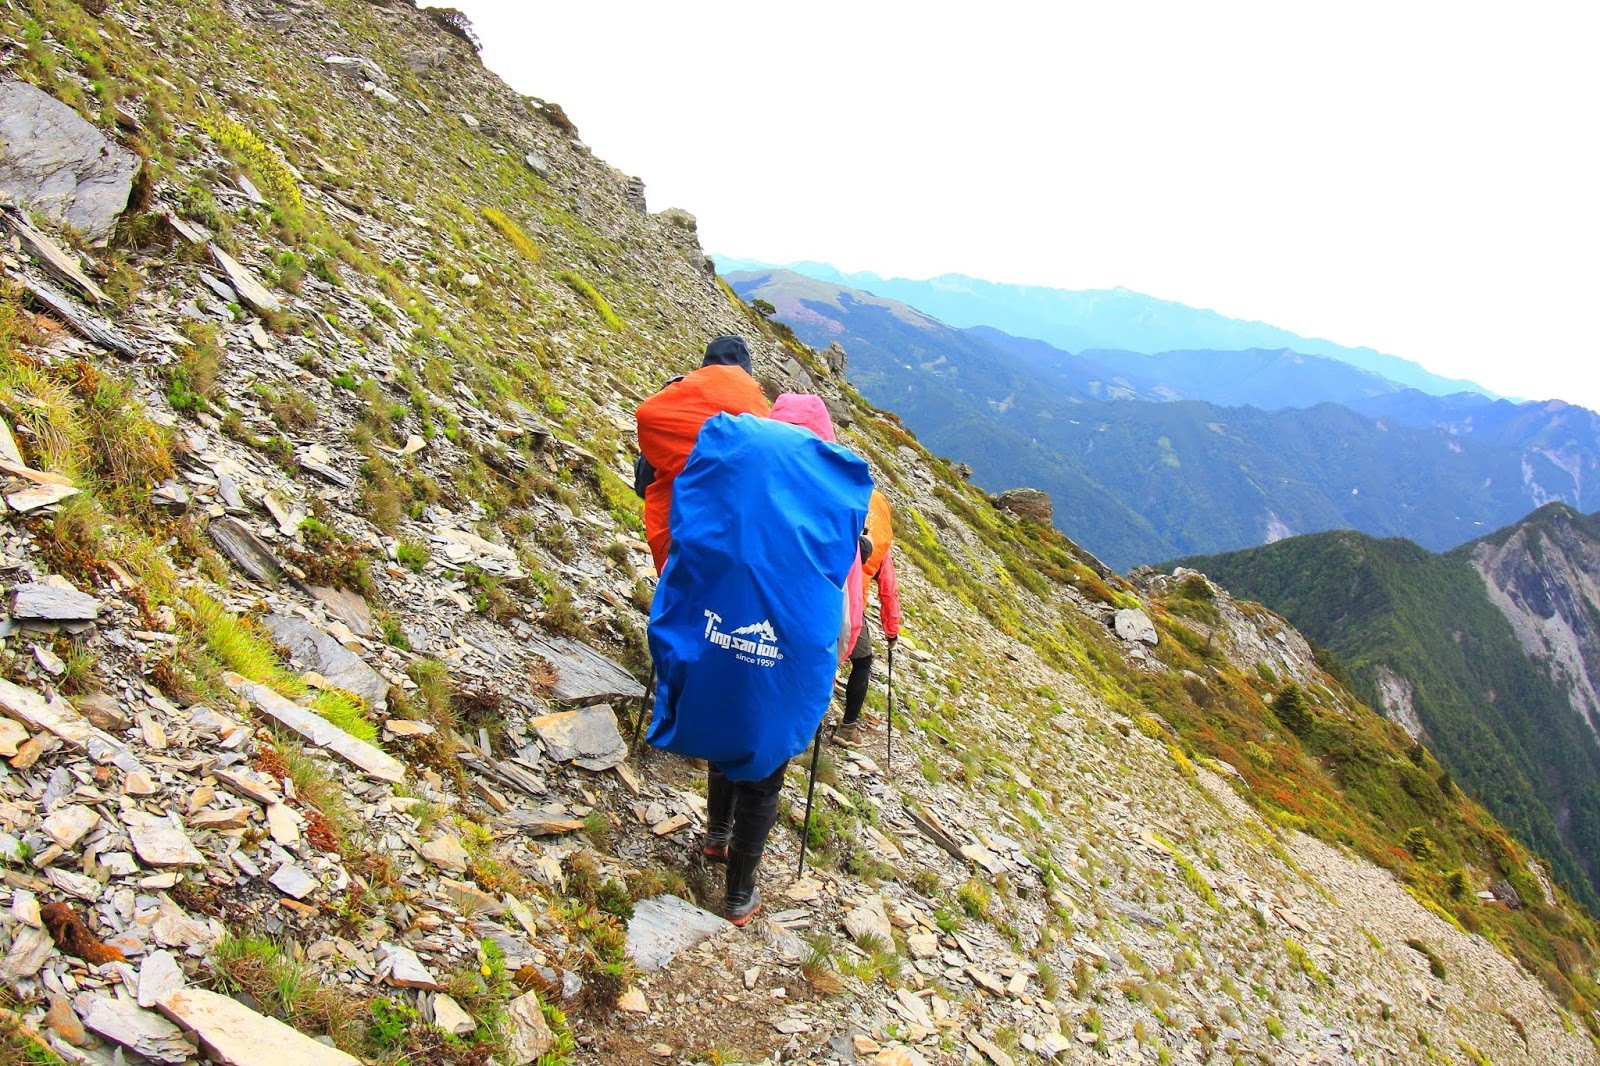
pixel 1421 638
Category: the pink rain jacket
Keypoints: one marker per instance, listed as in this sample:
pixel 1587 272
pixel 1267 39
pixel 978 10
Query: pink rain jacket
pixel 809 412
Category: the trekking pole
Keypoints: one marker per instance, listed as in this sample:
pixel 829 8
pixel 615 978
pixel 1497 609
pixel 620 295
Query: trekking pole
pixel 888 741
pixel 811 788
pixel 638 722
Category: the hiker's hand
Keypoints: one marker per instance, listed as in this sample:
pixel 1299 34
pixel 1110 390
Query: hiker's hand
pixel 891 641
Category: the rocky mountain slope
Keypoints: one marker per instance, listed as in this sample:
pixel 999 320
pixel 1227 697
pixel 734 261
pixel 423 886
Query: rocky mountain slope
pixel 325 604
pixel 1146 464
pixel 1487 653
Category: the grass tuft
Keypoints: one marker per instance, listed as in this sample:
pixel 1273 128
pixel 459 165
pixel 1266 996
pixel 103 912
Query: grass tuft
pixel 590 293
pixel 512 232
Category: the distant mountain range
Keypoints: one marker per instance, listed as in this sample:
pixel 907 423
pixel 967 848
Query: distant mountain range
pixel 1154 456
pixel 1489 653
pixel 1087 320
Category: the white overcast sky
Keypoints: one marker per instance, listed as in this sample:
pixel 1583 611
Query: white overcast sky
pixel 1417 177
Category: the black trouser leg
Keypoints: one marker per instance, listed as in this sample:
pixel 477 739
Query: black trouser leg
pixel 755 811
pixel 855 688
pixel 719 805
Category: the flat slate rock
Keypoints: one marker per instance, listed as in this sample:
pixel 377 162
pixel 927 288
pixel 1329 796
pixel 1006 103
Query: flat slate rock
pixel 460 548
pixel 57 716
pixel 164 844
pixel 54 258
pixel 312 648
pixel 245 550
pixel 91 327
pixel 255 295
pixel 159 977
pixel 291 880
pixel 583 675
pixel 587 737
pixel 400 967
pixel 70 823
pixel 664 925
pixel 870 921
pixel 33 497
pixel 348 607
pixel 12 735
pixel 548 820
pixel 317 729
pixel 122 1021
pixel 46 603
pixel 29 950
pixel 450 1017
pixel 235 1035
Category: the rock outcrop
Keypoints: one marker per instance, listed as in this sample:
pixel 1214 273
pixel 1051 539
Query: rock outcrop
pixel 1545 578
pixel 59 165
pixel 1032 504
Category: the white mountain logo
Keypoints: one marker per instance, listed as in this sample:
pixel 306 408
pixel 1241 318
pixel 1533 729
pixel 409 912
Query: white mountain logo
pixel 755 642
pixel 762 630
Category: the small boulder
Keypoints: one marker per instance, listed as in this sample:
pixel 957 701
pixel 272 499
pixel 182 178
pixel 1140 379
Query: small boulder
pixel 1031 504
pixel 528 1035
pixel 1134 625
pixel 59 165
pixel 1503 891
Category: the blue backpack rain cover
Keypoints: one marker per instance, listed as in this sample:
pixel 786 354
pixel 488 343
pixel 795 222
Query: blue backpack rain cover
pixel 744 628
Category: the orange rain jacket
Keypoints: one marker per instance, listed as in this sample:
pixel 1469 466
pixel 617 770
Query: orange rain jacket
pixel 880 564
pixel 669 423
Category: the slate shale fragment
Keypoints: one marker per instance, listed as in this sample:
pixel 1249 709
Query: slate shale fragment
pixel 245 550
pixel 46 603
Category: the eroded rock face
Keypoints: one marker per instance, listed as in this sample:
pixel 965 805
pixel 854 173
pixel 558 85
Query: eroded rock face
pixel 1027 503
pixel 1545 578
pixel 59 165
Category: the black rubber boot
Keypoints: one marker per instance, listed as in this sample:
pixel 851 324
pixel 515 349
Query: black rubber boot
pixel 719 817
pixel 714 846
pixel 742 899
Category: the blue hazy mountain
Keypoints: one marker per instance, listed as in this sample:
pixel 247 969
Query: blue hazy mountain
pixel 1152 457
pixel 1114 319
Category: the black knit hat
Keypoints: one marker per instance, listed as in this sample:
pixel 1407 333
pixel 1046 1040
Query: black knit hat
pixel 728 351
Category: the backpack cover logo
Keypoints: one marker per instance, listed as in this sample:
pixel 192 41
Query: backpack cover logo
pixel 755 643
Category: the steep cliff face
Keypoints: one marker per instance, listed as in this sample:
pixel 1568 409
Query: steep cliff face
pixel 1544 576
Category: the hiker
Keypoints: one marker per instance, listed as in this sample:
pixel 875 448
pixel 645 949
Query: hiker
pixel 751 618
pixel 670 420
pixel 810 413
pixel 879 565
